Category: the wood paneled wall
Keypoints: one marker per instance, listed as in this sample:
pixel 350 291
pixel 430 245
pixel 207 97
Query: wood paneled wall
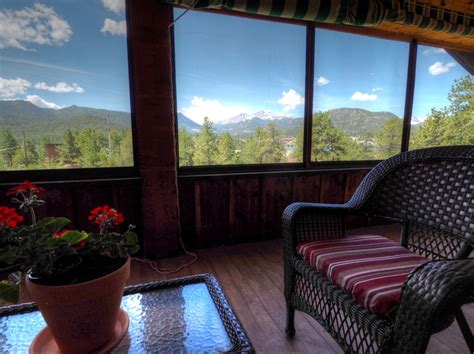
pixel 230 209
pixel 75 199
pixel 214 210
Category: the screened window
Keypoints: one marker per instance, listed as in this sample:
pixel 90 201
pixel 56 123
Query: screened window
pixel 443 108
pixel 240 87
pixel 359 96
pixel 64 85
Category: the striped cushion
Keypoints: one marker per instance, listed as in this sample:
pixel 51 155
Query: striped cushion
pixel 372 268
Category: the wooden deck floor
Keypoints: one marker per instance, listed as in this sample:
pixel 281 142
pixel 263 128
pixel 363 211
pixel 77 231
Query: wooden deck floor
pixel 252 278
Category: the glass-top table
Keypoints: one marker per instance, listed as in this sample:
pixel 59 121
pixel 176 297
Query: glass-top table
pixel 184 315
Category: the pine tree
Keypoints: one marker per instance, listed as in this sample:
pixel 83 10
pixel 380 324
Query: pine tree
pixel 329 143
pixel 92 145
pixel 253 149
pixel 461 95
pixel 8 147
pixel 274 148
pixel 266 145
pixel 299 146
pixel 26 155
pixel 366 145
pixel 42 149
pixel 114 149
pixel 453 125
pixel 431 132
pixel 388 138
pixel 206 145
pixel 226 150
pixel 69 150
pixel 186 148
pixel 126 149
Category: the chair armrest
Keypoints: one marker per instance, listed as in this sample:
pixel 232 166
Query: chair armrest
pixel 313 221
pixel 429 298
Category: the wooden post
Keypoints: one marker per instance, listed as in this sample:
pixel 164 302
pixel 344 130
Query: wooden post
pixel 153 104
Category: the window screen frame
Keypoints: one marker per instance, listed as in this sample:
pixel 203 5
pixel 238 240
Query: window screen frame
pixel 306 164
pixel 96 173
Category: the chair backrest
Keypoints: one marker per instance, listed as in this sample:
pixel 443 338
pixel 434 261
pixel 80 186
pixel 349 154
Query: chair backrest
pixel 431 191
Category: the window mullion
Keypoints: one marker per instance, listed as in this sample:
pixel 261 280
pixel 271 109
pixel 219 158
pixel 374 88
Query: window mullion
pixel 309 87
pixel 410 92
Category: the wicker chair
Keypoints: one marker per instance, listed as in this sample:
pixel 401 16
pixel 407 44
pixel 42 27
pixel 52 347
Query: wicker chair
pixel 431 193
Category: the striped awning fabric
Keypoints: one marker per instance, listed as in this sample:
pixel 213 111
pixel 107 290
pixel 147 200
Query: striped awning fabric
pixel 368 13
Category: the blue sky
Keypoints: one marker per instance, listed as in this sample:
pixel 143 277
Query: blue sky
pixel 76 53
pixel 229 65
pixel 69 52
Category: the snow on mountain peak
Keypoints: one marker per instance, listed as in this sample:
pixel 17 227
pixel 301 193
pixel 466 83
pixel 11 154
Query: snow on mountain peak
pixel 266 115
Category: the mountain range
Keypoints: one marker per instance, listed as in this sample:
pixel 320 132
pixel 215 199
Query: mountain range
pixel 352 121
pixel 24 117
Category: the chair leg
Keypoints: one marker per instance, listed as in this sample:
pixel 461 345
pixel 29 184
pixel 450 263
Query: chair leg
pixel 290 322
pixel 466 331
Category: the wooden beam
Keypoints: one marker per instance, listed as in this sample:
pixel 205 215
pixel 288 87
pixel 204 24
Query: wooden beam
pixel 151 56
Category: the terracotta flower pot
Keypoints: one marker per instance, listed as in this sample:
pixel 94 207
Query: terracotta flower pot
pixel 81 317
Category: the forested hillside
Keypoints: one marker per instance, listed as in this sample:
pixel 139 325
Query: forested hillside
pixel 361 121
pixel 33 137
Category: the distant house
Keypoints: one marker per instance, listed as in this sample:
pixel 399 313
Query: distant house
pixel 52 153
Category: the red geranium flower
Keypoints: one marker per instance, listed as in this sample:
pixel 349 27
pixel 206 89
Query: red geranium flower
pixel 105 215
pixel 9 218
pixel 25 187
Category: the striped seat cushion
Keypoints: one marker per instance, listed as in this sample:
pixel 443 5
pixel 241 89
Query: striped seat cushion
pixel 372 268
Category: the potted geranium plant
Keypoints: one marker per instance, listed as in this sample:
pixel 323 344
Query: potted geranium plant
pixel 75 277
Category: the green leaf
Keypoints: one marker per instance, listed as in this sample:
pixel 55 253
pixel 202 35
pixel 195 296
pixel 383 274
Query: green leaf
pixel 134 249
pixel 24 232
pixel 74 237
pixel 130 238
pixel 53 242
pixel 9 292
pixel 45 222
pixel 52 225
pixel 8 255
pixel 59 223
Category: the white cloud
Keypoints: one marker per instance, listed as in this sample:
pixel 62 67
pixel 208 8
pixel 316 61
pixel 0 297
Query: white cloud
pixel 430 51
pixel 40 102
pixel 117 6
pixel 13 87
pixel 60 87
pixel 321 81
pixel 290 99
pixel 38 24
pixel 440 68
pixel 213 109
pixel 116 28
pixel 377 89
pixel 417 120
pixel 362 96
